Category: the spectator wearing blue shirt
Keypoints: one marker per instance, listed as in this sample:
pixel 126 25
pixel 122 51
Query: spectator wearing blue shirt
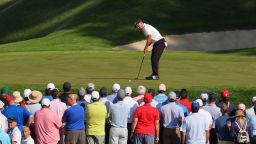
pixel 119 114
pixel 4 137
pixel 18 112
pixel 74 118
pixel 161 98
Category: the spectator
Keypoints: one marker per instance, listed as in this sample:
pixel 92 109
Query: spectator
pixel 14 132
pixel 141 90
pixel 26 94
pixel 17 97
pixel 172 117
pixel 205 114
pixel 35 97
pixel 4 93
pixel 118 115
pixel 56 105
pixel 241 107
pixel 4 137
pixel 19 113
pixel 96 113
pixel 161 98
pixel 184 100
pixel 252 111
pixel 90 88
pixel 221 126
pixel 238 126
pixel 112 97
pixel 47 124
pixel 67 90
pixel 145 127
pixel 204 97
pixel 132 105
pixel 225 99
pixel 74 117
pixel 185 110
pixel 215 113
pixel 195 129
pixel 3 119
pixel 253 123
pixel 48 91
pixel 154 103
pixel 103 98
pixel 81 101
pixel 27 138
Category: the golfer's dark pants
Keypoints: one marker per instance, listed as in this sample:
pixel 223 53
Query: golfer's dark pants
pixel 157 51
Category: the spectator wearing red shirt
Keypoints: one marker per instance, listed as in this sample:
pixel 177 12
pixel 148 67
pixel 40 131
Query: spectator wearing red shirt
pixel 145 127
pixel 184 101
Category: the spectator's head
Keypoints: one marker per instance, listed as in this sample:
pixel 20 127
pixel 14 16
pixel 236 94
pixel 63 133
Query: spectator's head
pixel 172 96
pixel 204 96
pixel 26 132
pixel 147 98
pixel 55 93
pixel 225 95
pixel 103 92
pixel 45 103
pixel 224 109
pixel 49 88
pixel 81 93
pixel 183 93
pixel 115 87
pixel 71 99
pixel 239 115
pixel 212 98
pixel 152 91
pixel 26 94
pixel 35 96
pixel 161 88
pixel 128 91
pixel 141 90
pixel 66 86
pixel 139 24
pixel 200 102
pixel 95 96
pixel 90 88
pixel 12 122
pixel 195 107
pixel 1 105
pixel 17 97
pixel 241 107
pixel 254 101
pixel 4 92
pixel 9 100
pixel 177 95
pixel 120 95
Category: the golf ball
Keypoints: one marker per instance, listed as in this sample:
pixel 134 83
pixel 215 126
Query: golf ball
pixel 130 80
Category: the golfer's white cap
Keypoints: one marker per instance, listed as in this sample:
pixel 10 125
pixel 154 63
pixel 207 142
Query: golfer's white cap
pixel 50 86
pixel 204 95
pixel 95 95
pixel 254 99
pixel 115 87
pixel 200 102
pixel 90 86
pixel 1 104
pixel 162 87
pixel 141 90
pixel 128 90
pixel 27 92
pixel 45 102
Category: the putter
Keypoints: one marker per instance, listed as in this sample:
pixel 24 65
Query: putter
pixel 140 66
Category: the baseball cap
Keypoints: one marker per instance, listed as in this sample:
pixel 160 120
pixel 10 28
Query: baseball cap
pixel 195 106
pixel 5 89
pixel 90 86
pixel 200 102
pixel 141 90
pixel 45 102
pixel 81 92
pixel 147 98
pixel 172 95
pixel 1 104
pixel 241 106
pixel 162 87
pixel 224 93
pixel 66 86
pixel 254 99
pixel 115 87
pixel 95 95
pixel 138 20
pixel 128 90
pixel 27 92
pixel 50 86
pixel 121 93
pixel 9 99
pixel 204 96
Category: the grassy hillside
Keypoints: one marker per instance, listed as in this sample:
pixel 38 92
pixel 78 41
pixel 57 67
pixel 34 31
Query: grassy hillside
pixel 109 22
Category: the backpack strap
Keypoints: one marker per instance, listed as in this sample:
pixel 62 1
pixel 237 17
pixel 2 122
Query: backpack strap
pixel 238 125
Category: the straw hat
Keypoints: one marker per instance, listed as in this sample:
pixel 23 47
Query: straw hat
pixel 35 96
pixel 17 97
pixel 239 113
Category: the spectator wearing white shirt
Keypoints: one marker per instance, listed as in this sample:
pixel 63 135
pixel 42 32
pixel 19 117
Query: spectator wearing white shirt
pixel 205 114
pixel 3 119
pixel 112 98
pixel 14 133
pixel 251 112
pixel 27 138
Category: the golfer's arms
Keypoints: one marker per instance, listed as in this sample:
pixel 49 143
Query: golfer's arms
pixel 183 139
pixel 148 42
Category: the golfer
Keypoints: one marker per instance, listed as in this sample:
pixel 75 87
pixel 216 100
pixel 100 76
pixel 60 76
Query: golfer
pixel 159 43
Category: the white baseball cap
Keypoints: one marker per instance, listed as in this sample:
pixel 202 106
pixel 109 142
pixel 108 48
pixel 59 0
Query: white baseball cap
pixel 45 102
pixel 172 95
pixel 1 104
pixel 162 87
pixel 91 86
pixel 200 102
pixel 141 90
pixel 204 95
pixel 27 92
pixel 50 86
pixel 115 87
pixel 254 99
pixel 95 95
pixel 128 90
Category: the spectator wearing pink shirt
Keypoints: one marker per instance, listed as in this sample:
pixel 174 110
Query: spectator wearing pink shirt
pixel 56 105
pixel 47 125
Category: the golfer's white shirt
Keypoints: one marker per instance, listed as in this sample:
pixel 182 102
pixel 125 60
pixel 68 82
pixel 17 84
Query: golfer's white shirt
pixel 150 30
